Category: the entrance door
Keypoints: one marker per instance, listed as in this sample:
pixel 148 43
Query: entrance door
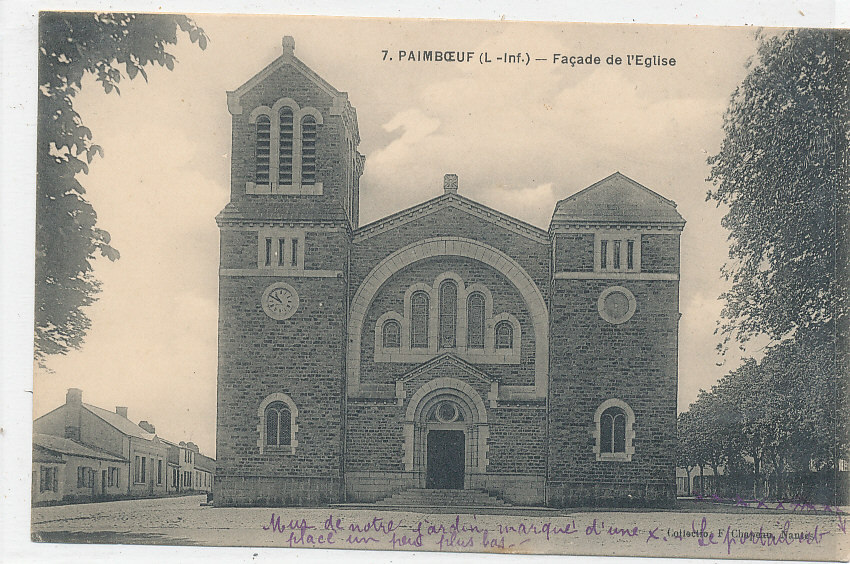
pixel 445 460
pixel 103 478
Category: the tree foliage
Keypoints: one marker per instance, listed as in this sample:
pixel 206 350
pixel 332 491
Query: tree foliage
pixel 71 46
pixel 782 172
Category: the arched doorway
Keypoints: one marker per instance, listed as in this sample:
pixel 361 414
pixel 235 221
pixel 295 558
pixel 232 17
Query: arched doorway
pixel 446 434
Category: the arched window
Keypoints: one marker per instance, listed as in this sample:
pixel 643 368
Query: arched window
pixel 448 314
pixel 612 431
pixel 263 149
pixel 504 335
pixel 309 133
pixel 475 321
pixel 278 424
pixel 286 146
pixel 419 320
pixel 391 337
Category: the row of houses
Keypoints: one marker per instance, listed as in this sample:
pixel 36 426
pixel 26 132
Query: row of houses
pixel 82 452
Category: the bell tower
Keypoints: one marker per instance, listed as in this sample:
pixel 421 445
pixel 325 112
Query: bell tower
pixel 285 242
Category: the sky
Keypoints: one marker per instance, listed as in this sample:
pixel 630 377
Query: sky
pixel 519 137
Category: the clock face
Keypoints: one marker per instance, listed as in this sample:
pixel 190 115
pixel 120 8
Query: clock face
pixel 280 301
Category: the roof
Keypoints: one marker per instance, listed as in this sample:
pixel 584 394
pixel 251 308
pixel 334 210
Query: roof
pixel 260 209
pixel 617 200
pixel 67 446
pixel 44 456
pixel 203 462
pixel 451 200
pixel 119 422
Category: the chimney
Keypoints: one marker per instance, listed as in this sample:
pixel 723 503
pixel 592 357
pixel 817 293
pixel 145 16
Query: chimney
pixel 73 413
pixel 74 396
pixel 147 427
pixel 288 44
pixel 121 410
pixel 450 184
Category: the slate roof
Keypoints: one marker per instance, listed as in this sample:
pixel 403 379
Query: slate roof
pixel 204 462
pixel 121 423
pixel 43 456
pixel 67 446
pixel 617 200
pixel 258 208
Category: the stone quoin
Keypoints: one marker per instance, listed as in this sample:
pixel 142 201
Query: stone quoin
pixel 446 346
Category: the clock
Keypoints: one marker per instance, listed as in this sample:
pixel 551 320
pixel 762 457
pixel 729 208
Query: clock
pixel 280 301
pixel 616 305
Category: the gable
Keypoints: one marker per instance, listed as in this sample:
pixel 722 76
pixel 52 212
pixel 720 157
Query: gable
pixel 443 362
pixel 618 200
pixel 430 211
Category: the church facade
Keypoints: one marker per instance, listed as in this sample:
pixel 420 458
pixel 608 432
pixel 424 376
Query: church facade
pixel 447 346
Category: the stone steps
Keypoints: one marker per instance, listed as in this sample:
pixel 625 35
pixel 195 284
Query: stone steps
pixel 418 497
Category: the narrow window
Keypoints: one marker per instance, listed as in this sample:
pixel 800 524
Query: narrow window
pixel 144 469
pixel 617 245
pixel 159 471
pixel 286 147
pixel 448 314
pixel 612 431
pixel 263 149
pixel 268 251
pixel 603 254
pixel 281 245
pixel 293 261
pixel 391 335
pixel 137 470
pixel 630 255
pixel 475 321
pixel 278 424
pixel 308 150
pixel 419 320
pixel 504 335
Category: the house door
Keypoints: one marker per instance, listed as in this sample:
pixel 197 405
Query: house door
pixel 445 460
pixel 103 477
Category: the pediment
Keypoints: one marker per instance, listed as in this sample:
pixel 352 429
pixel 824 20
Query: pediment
pixel 456 202
pixel 450 361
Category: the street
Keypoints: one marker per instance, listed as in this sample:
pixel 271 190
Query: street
pixel 712 532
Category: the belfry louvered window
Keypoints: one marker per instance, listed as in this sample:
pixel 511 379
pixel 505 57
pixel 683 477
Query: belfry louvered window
pixel 309 134
pixel 286 147
pixel 475 321
pixel 263 149
pixel 448 315
pixel 419 320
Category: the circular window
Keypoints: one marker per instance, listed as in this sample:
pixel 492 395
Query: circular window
pixel 446 412
pixel 616 305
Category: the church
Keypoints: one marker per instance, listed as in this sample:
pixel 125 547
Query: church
pixel 446 347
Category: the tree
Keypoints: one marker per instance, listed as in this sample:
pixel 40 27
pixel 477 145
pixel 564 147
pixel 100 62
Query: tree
pixel 71 46
pixel 782 171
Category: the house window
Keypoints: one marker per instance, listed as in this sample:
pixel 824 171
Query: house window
pixel 448 314
pixel 475 321
pixel 613 422
pixel 419 320
pixel 263 149
pixel 159 471
pixel 630 255
pixel 286 146
pixel 391 334
pixel 137 470
pixel 278 421
pixel 504 335
pixel 48 480
pixel 309 133
pixel 85 477
pixel 617 245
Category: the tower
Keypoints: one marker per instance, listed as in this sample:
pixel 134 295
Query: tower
pixel 614 316
pixel 285 237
